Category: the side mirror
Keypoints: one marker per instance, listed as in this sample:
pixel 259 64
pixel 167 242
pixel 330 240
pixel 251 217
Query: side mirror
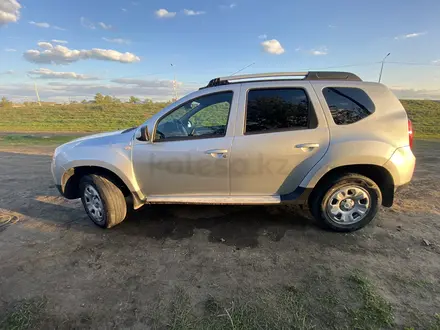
pixel 143 134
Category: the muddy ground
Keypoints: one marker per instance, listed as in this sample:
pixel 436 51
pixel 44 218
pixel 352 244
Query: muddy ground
pixel 214 267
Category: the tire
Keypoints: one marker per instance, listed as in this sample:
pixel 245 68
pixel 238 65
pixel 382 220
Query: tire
pixel 103 201
pixel 332 206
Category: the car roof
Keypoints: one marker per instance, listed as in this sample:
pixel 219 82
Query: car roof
pixel 283 76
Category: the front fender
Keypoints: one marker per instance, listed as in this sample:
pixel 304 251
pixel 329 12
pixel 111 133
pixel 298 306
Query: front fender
pixel 349 153
pixel 115 158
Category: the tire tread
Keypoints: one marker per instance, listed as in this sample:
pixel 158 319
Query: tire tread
pixel 112 197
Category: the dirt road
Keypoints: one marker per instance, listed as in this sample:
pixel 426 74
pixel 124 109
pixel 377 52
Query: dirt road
pixel 180 266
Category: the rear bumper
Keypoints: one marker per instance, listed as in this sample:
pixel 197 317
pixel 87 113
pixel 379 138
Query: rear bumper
pixel 401 166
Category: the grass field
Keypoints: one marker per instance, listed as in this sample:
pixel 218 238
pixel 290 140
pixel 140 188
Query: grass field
pixel 425 116
pixel 97 118
pixel 34 140
pixel 314 303
pixel 76 117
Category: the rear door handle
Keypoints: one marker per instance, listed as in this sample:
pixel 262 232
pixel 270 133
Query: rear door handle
pixel 217 153
pixel 307 146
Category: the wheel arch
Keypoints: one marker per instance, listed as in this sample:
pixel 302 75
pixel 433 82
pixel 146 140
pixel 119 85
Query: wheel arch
pixel 72 177
pixel 379 174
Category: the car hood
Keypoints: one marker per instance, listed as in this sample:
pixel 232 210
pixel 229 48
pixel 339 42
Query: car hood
pixel 121 136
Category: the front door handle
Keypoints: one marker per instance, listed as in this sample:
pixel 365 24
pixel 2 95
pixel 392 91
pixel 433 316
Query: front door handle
pixel 307 146
pixel 217 153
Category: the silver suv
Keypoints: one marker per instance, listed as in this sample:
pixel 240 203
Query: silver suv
pixel 326 139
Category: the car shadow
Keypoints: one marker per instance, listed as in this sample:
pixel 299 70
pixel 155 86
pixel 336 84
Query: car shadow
pixel 238 226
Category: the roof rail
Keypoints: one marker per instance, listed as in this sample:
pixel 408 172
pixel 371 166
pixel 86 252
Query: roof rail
pixel 311 75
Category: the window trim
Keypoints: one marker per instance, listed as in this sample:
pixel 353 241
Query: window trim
pixel 280 130
pixel 196 137
pixel 350 99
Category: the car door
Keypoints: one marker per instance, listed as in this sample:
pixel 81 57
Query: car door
pixel 190 148
pixel 281 134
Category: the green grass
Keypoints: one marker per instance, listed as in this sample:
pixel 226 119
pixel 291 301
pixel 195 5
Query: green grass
pixel 374 312
pixel 318 302
pixel 76 117
pixel 98 118
pixel 265 309
pixel 24 314
pixel 34 140
pixel 425 116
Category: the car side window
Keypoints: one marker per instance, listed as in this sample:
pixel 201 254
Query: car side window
pixel 276 109
pixel 204 117
pixel 348 105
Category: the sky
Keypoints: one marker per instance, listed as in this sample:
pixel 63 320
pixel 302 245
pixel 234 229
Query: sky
pixel 72 50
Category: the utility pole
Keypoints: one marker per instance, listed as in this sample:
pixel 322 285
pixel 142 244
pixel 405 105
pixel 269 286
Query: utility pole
pixel 176 97
pixel 381 68
pixel 36 93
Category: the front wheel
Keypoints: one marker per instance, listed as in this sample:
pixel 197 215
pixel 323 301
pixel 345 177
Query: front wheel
pixel 346 203
pixel 103 201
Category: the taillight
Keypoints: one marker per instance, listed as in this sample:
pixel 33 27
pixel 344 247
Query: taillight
pixel 410 133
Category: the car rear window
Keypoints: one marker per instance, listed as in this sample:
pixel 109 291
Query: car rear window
pixel 348 105
pixel 277 109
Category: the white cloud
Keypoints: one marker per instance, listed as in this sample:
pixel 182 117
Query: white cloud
pixel 45 45
pixel 272 46
pixel 46 25
pixel 331 26
pixel 262 36
pixel 230 6
pixel 62 55
pixel 436 61
pixel 410 35
pixel 109 55
pixel 40 25
pixel 189 12
pixel 145 83
pixel 105 26
pixel 49 74
pixel 163 13
pixel 9 11
pixel 124 10
pixel 319 52
pixel 8 72
pixel 10 50
pixel 87 23
pixel 117 40
pixel 56 41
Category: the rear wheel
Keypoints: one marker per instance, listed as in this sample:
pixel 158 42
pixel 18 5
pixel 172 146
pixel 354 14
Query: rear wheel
pixel 346 203
pixel 103 201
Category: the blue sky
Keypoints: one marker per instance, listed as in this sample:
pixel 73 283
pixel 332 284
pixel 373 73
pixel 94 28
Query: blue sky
pixel 73 49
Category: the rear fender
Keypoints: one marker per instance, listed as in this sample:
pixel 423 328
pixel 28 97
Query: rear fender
pixel 348 153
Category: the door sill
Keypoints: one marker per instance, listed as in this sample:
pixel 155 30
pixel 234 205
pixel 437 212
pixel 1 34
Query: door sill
pixel 226 200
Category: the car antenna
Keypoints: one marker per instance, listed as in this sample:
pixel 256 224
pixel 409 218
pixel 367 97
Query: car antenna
pixel 247 66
